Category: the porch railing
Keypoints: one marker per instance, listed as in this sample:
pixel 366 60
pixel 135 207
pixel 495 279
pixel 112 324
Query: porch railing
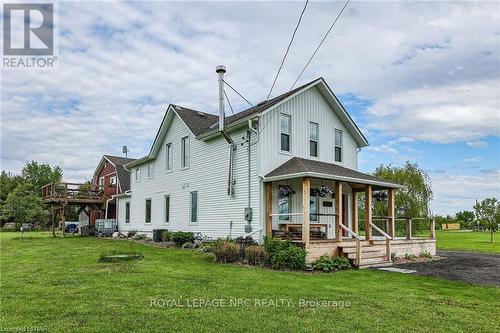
pixel 358 243
pixel 387 241
pixel 65 191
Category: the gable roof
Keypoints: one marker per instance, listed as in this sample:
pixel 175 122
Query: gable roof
pixel 122 174
pixel 300 167
pixel 204 125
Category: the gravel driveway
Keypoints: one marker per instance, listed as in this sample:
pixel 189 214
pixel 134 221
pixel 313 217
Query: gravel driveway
pixel 470 267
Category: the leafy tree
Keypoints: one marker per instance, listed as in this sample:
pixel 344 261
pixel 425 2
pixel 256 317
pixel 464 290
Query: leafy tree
pixel 488 213
pixel 37 175
pixel 24 206
pixel 466 219
pixel 414 198
pixel 8 182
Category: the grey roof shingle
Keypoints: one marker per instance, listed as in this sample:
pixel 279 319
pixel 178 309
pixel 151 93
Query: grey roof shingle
pixel 301 165
pixel 121 172
pixel 201 122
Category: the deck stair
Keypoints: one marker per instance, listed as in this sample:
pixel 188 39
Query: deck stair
pixel 373 254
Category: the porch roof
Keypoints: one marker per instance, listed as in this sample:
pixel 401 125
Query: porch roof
pixel 298 167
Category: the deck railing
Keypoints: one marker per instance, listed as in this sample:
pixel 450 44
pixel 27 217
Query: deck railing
pixel 68 191
pixel 358 243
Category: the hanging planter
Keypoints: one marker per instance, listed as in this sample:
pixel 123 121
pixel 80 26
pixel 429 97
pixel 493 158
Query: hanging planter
pixel 324 190
pixel 285 191
pixel 380 196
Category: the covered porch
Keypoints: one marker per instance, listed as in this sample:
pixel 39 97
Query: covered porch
pixel 317 204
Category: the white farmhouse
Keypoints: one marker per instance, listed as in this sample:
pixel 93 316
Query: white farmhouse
pixel 285 167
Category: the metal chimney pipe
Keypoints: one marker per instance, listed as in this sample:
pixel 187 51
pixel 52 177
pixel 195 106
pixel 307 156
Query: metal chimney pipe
pixel 220 71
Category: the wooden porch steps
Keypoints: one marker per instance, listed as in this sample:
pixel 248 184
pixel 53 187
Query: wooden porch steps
pixel 372 255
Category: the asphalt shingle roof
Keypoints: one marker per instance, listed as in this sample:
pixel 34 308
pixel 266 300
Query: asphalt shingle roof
pixel 300 165
pixel 122 173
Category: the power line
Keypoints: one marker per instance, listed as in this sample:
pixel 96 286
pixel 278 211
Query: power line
pixel 321 43
pixel 246 100
pixel 228 102
pixel 287 49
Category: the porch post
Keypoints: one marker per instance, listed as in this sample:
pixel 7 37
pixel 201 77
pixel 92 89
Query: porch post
pixel 269 209
pixel 391 213
pixel 355 211
pixel 306 186
pixel 368 212
pixel 338 211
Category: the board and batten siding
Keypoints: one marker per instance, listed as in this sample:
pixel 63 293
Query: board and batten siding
pixel 208 174
pixel 308 106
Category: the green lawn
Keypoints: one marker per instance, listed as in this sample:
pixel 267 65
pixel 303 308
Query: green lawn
pixel 467 241
pixel 58 284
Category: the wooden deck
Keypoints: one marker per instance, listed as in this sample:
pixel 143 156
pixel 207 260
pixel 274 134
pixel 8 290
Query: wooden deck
pixel 71 193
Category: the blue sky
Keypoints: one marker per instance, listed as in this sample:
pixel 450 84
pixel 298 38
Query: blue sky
pixel 421 79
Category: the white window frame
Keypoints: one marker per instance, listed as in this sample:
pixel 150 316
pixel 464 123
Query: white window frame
pixel 112 180
pixel 101 185
pixel 146 210
pixel 341 146
pixel 151 169
pixel 166 217
pixel 137 174
pixel 312 123
pixel 191 207
pixel 127 204
pixel 169 157
pixel 289 133
pixel 185 148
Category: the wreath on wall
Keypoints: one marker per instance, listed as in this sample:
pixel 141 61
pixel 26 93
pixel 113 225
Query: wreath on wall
pixel 285 191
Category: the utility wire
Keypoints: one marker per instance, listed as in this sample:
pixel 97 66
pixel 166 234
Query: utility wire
pixel 319 45
pixel 228 102
pixel 246 100
pixel 287 49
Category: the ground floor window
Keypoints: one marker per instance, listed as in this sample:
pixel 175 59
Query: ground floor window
pixel 194 207
pixel 167 209
pixel 313 205
pixel 148 211
pixel 127 212
pixel 283 205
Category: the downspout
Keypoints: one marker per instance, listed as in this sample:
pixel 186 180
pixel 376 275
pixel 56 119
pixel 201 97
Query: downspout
pixel 220 70
pixel 107 204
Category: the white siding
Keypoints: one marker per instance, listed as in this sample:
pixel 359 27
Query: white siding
pixel 207 174
pixel 122 226
pixel 306 107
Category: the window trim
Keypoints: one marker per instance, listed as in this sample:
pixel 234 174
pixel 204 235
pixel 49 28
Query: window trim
pixel 151 169
pixel 112 180
pixel 191 208
pixel 341 146
pixel 137 172
pixel 289 151
pixel 166 212
pixel 146 210
pixel 311 140
pixel 101 187
pixel 127 212
pixel 289 206
pixel 169 158
pixel 183 152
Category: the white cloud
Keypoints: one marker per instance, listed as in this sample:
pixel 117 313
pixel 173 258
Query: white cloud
pixel 453 193
pixel 477 144
pixel 475 159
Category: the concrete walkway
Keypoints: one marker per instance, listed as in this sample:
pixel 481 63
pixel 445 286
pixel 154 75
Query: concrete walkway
pixel 470 267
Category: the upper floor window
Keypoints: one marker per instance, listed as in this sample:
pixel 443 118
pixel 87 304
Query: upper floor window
pixel 151 169
pixel 285 129
pixel 338 145
pixel 112 180
pixel 101 183
pixel 313 139
pixel 194 207
pixel 147 218
pixel 185 152
pixel 168 157
pixel 138 174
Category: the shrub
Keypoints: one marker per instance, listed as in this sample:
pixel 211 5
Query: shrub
pixel 139 237
pixel 425 254
pixel 255 255
pixel 410 256
pixel 181 237
pixel 131 233
pixel 226 252
pixel 166 236
pixel 323 263
pixel 284 254
pixel 341 263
